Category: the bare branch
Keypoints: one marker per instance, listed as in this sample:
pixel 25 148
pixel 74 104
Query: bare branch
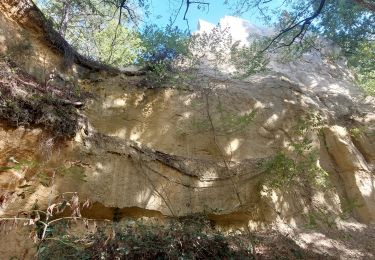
pixel 304 24
pixel 178 12
pixel 189 2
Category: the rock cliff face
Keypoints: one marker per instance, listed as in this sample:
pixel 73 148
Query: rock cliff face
pixel 208 146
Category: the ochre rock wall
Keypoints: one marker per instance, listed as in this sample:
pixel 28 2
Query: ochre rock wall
pixel 175 151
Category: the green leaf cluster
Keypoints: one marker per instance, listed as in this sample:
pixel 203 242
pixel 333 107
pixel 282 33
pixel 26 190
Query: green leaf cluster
pixel 250 59
pixel 163 45
pixel 117 45
pixel 93 28
pixel 284 169
pixel 351 27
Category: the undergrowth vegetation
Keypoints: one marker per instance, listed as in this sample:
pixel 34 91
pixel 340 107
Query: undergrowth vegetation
pixel 191 238
pixel 25 102
pixel 62 232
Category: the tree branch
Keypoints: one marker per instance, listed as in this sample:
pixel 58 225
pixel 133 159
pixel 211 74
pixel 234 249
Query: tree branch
pixel 304 24
pixel 189 2
pixel 365 4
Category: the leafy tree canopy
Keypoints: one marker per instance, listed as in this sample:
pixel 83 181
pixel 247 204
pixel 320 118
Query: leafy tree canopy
pixel 108 30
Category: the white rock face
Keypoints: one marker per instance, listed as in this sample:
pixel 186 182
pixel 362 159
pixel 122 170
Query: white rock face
pixel 204 26
pixel 240 29
pixel 314 72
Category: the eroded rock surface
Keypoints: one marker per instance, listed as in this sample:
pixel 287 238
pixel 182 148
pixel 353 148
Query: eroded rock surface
pixel 175 151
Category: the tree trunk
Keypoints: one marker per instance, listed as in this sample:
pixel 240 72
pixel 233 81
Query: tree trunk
pixel 65 16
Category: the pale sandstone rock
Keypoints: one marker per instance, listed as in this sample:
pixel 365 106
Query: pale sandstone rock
pixel 356 173
pixel 155 149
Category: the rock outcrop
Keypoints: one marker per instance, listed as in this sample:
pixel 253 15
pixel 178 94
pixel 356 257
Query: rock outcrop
pixel 186 149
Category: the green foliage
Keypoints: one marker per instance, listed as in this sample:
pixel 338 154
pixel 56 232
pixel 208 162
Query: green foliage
pixel 160 48
pixel 348 206
pixel 249 60
pixel 355 132
pixel 117 45
pixel 163 44
pixel 232 123
pixel 363 64
pixel 188 238
pixel 343 23
pixel 61 245
pixel 283 170
pixel 164 49
pixel 159 72
pixel 212 46
pixel 91 27
pixel 295 51
pixel 320 216
pixel 348 25
pixel 312 121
